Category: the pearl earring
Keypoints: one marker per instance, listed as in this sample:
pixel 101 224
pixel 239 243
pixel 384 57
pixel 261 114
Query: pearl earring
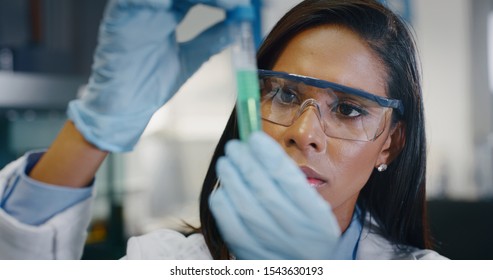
pixel 382 167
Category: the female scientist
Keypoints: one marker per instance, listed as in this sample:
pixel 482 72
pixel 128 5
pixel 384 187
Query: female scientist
pixel 338 173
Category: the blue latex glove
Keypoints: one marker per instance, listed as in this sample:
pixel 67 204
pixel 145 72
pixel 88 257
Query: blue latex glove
pixel 265 208
pixel 139 65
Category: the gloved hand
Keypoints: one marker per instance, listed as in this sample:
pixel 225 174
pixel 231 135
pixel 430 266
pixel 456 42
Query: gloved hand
pixel 265 208
pixel 139 65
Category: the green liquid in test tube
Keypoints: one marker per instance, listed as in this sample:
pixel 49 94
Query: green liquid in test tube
pixel 245 67
pixel 247 103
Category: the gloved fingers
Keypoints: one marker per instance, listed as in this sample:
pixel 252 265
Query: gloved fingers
pixel 128 25
pixel 244 244
pixel 198 50
pixel 286 173
pixel 307 239
pixel 115 6
pixel 290 223
pixel 265 228
pixel 238 239
pixel 224 4
pixel 265 190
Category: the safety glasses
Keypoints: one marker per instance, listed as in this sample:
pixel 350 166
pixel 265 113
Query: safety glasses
pixel 344 112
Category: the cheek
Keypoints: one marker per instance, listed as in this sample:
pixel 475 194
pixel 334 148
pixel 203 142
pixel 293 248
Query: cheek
pixel 351 155
pixel 349 164
pixel 273 130
pixel 351 161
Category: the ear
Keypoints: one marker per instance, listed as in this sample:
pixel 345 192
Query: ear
pixel 393 144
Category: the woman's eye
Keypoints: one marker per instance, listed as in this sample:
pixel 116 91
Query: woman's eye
pixel 286 96
pixel 349 110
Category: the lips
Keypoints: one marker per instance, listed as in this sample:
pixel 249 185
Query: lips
pixel 314 179
pixel 314 182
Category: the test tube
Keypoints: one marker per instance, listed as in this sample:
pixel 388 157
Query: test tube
pixel 245 67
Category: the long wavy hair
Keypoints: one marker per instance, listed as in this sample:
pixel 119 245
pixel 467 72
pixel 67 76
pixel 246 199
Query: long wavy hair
pixel 395 198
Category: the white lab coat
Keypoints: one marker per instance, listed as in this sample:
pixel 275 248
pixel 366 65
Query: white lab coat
pixel 168 244
pixel 63 236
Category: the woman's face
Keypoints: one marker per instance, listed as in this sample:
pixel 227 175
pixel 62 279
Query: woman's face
pixel 337 168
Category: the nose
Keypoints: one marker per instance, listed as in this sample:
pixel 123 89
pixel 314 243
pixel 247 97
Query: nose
pixel 306 132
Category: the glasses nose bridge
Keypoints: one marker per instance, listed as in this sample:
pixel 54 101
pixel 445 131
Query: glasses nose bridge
pixel 310 102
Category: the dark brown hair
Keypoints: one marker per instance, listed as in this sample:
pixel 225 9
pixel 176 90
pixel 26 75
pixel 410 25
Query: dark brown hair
pixel 395 198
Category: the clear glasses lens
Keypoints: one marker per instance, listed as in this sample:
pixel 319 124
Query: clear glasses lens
pixel 341 115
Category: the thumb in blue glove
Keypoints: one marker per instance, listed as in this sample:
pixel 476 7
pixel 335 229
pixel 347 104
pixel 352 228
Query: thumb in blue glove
pixel 265 208
pixel 139 65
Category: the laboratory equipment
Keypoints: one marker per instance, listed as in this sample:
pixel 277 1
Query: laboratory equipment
pixel 245 67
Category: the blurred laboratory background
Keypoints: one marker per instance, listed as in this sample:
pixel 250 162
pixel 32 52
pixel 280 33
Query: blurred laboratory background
pixel 46 51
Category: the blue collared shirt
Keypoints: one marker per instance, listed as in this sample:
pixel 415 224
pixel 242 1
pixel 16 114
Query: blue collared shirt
pixel 348 243
pixel 33 202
